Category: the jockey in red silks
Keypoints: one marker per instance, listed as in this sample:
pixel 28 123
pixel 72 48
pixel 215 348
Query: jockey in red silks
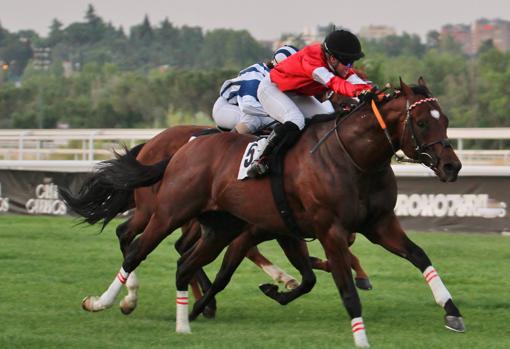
pixel 287 93
pixel 238 108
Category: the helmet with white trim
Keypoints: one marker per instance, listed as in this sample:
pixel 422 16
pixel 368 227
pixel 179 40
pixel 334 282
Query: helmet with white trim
pixel 283 53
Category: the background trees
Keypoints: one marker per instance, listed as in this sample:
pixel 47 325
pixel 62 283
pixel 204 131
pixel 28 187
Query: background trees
pixel 91 74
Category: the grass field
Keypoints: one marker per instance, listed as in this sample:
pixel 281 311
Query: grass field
pixel 47 265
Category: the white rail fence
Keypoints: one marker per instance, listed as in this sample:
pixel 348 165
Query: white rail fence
pixel 79 148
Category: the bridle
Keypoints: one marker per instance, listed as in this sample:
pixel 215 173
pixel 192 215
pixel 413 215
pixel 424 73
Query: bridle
pixel 424 156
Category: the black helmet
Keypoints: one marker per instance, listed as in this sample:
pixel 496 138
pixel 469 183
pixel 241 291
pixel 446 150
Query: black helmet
pixel 343 45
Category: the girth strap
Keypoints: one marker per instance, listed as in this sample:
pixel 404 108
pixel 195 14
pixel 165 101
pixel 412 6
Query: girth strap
pixel 278 190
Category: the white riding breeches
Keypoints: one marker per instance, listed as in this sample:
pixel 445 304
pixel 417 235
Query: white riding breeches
pixel 289 106
pixel 228 115
pixel 225 115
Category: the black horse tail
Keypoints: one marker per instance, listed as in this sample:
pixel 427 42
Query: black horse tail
pixel 109 191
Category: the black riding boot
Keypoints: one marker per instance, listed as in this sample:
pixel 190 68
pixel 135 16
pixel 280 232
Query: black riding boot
pixel 282 137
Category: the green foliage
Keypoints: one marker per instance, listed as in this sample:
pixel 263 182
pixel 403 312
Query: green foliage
pixel 97 76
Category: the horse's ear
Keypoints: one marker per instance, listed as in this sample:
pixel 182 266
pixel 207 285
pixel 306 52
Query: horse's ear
pixel 422 83
pixel 406 90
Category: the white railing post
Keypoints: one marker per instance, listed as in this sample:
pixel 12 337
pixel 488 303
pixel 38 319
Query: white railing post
pixel 91 144
pixel 21 144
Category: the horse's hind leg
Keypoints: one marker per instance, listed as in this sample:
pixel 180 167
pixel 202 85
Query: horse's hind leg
pixel 277 274
pixel 361 280
pixel 297 253
pixel 200 283
pixel 126 232
pixel 204 251
pixel 161 224
pixel 389 234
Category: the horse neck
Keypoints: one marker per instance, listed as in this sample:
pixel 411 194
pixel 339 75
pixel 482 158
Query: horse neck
pixel 364 139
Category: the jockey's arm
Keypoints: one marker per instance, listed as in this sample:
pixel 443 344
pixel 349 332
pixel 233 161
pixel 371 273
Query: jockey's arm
pixel 339 85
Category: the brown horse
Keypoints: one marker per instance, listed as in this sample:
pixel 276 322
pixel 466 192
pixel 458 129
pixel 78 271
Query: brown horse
pixel 347 185
pixel 100 200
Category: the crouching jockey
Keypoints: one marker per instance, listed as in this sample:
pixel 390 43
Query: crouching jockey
pixel 238 108
pixel 286 94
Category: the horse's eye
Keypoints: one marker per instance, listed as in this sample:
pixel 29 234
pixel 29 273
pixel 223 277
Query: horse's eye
pixel 421 124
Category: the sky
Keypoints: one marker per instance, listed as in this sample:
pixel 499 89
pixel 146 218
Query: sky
pixel 265 20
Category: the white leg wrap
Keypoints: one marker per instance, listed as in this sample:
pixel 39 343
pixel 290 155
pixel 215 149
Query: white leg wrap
pixel 182 319
pixel 132 286
pixel 129 302
pixel 439 290
pixel 108 297
pixel 359 333
pixel 280 276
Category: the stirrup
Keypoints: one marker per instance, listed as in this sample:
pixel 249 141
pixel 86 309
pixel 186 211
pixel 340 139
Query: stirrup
pixel 258 168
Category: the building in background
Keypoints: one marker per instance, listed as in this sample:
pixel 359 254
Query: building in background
pixel 460 33
pixel 376 32
pixel 496 30
pixel 472 37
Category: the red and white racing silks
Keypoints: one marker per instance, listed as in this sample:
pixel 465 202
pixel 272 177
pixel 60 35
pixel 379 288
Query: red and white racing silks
pixel 306 72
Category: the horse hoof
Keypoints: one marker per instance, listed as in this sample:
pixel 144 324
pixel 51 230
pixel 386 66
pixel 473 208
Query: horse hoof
pixel 88 302
pixel 269 290
pixel 291 284
pixel 454 323
pixel 209 313
pixel 127 307
pixel 363 284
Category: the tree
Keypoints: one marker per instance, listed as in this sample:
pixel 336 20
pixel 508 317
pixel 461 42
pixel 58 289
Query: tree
pixel 56 34
pixel 432 40
pixel 143 33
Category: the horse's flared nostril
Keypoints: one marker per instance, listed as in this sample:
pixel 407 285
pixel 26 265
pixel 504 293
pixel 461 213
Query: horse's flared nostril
pixel 451 169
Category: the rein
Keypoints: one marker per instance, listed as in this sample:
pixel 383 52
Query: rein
pixel 338 121
pixel 421 149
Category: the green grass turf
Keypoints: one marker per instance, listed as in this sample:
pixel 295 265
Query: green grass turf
pixel 47 265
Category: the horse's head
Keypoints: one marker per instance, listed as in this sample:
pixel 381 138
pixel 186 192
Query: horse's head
pixel 423 135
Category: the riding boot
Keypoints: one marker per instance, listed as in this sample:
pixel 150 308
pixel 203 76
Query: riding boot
pixel 282 137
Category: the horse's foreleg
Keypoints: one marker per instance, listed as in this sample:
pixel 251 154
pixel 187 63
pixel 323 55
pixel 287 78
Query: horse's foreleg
pixel 233 257
pixel 297 253
pixel 277 274
pixel 392 237
pixel 362 281
pixel 335 245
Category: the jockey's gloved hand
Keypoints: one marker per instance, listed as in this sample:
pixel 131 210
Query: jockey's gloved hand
pixel 366 96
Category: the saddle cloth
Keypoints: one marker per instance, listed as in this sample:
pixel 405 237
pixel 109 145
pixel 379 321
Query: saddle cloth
pixel 252 152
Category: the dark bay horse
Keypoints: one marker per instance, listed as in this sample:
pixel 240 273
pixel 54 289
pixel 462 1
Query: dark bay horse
pixel 102 198
pixel 347 185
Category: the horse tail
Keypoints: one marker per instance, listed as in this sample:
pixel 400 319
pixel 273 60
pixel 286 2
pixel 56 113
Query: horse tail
pixel 109 191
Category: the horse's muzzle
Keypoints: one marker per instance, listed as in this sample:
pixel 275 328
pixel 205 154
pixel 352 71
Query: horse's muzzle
pixel 448 171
